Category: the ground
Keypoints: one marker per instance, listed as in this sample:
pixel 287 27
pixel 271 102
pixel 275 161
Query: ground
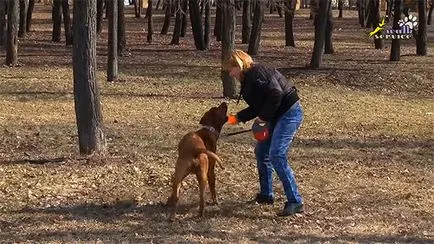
pixel 363 157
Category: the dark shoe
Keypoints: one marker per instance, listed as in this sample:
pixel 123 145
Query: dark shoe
pixel 261 199
pixel 291 209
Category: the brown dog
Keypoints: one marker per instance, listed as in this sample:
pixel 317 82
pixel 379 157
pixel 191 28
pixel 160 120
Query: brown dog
pixel 196 155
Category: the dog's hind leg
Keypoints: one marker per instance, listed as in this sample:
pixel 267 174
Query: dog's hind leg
pixel 181 171
pixel 211 181
pixel 202 179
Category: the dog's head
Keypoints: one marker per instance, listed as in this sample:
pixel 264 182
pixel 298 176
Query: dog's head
pixel 215 117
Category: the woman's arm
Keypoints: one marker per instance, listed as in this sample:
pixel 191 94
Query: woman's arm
pixel 247 114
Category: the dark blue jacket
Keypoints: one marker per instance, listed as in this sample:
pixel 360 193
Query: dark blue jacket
pixel 268 94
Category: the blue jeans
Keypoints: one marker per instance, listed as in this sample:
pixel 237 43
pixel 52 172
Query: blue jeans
pixel 272 153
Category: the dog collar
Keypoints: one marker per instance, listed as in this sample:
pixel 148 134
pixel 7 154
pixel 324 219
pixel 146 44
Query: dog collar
pixel 211 129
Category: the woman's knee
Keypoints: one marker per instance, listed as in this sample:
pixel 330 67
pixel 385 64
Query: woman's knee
pixel 278 158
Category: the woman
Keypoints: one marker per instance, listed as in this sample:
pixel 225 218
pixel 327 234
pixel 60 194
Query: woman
pixel 274 101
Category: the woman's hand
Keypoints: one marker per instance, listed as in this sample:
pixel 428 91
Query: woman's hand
pixel 232 119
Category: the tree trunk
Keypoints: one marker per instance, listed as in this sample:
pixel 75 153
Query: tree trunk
pixel 2 22
pixel 361 8
pixel 279 8
pixel 320 32
pixel 313 10
pixel 207 23
pixel 368 15
pixel 272 6
pixel 29 15
pixel 166 24
pixel 158 4
pixel 328 47
pixel 138 8
pixel 178 24
pixel 289 17
pixel 341 8
pixel 196 24
pixel 112 61
pixel 395 51
pixel 86 92
pixel 105 8
pixel 67 22
pixel 255 36
pixel 421 32
pixel 150 29
pixel 430 12
pixel 24 5
pixel 12 34
pixel 121 27
pixel 375 11
pixel 57 20
pixel 247 22
pixel 228 42
pixel 218 21
pixel 184 5
pixel 99 15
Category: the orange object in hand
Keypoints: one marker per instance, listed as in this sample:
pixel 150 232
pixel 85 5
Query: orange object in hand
pixel 232 119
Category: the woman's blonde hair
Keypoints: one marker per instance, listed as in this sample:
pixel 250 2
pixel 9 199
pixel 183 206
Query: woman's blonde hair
pixel 238 59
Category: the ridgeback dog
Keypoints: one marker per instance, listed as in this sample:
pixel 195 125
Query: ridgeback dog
pixel 197 155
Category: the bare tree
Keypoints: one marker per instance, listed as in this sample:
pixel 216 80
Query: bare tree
pixel 2 22
pixel 289 17
pixel 247 21
pixel 166 23
pixel 184 6
pixel 430 12
pixel 341 8
pixel 218 21
pixel 12 34
pixel 122 41
pixel 24 6
pixel 196 23
pixel 228 42
pixel 178 24
pixel 395 51
pixel 320 32
pixel 86 91
pixel 149 15
pixel 138 8
pixel 29 15
pixel 361 9
pixel 255 36
pixel 421 32
pixel 375 9
pixel 67 22
pixel 207 26
pixel 328 45
pixel 112 61
pixel 57 20
pixel 99 15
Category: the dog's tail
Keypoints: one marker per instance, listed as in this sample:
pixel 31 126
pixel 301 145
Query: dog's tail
pixel 211 155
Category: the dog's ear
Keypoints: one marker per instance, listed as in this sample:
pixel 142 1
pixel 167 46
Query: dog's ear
pixel 207 117
pixel 204 119
pixel 223 109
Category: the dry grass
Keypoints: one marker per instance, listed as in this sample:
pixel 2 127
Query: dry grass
pixel 363 158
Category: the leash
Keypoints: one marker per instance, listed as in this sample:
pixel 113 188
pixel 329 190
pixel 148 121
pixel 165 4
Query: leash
pixel 236 133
